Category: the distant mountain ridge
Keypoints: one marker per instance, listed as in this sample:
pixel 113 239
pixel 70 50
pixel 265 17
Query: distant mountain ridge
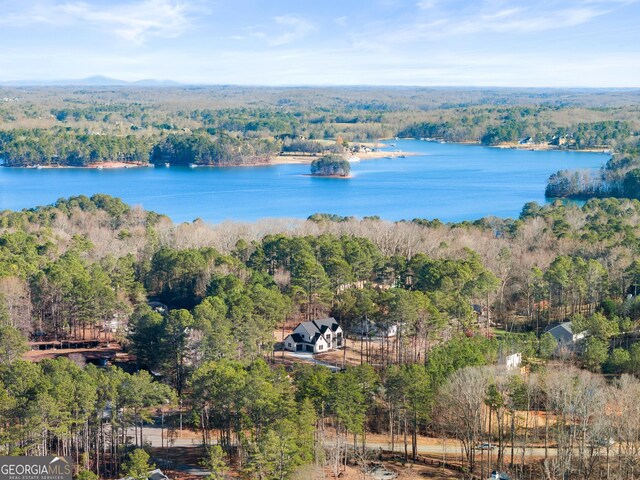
pixel 93 81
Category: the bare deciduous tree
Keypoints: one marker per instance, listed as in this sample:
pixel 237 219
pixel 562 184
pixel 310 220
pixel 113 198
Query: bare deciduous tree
pixel 460 409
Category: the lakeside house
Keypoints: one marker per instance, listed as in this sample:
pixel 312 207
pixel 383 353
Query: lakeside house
pixel 563 140
pixel 316 336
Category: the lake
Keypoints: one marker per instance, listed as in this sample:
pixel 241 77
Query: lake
pixel 447 181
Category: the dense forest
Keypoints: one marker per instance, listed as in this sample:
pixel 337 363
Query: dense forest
pixel 462 295
pixel 63 146
pixel 203 149
pixel 233 125
pixel 66 147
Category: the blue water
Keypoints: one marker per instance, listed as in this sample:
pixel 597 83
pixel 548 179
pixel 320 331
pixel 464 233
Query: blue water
pixel 446 181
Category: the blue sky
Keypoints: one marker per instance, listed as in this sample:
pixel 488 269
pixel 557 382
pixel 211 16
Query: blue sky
pixel 592 43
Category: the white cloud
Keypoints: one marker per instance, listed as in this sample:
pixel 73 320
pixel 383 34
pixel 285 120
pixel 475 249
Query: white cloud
pixel 298 29
pixel 285 29
pixel 521 20
pixel 437 21
pixel 427 4
pixel 133 22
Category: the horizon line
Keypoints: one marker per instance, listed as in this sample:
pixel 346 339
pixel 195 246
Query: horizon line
pixel 167 83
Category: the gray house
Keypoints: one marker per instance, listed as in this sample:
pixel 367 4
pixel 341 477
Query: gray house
pixel 152 475
pixel 563 333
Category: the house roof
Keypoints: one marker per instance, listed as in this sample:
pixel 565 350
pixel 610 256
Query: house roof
pixel 152 475
pixel 563 326
pixel 316 329
pixel 562 330
pixel 296 337
pixel 157 475
pixel 324 324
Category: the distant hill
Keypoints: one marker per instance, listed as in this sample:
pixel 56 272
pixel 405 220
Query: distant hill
pixel 93 81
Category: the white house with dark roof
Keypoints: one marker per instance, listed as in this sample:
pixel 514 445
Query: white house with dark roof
pixel 316 336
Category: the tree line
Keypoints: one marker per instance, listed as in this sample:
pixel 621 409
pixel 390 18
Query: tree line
pixel 521 123
pixel 67 147
pixel 60 146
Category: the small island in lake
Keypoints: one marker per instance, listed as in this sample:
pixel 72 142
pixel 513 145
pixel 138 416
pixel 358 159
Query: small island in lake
pixel 331 166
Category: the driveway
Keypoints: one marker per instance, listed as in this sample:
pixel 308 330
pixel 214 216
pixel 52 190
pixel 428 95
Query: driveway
pixel 308 357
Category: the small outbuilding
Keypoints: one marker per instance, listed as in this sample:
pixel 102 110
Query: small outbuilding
pixel 511 361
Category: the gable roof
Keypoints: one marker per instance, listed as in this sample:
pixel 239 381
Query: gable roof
pixel 317 329
pixel 561 331
pixel 325 324
pixel 296 337
pixel 157 475
pixel 152 475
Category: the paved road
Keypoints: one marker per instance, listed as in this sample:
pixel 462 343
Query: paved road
pixel 452 449
pixel 192 470
pixel 310 358
pixel 153 436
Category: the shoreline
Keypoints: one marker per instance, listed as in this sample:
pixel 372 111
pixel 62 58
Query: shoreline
pixel 343 177
pixel 308 159
pixel 93 166
pixel 518 146
pixel 125 165
pixel 541 147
